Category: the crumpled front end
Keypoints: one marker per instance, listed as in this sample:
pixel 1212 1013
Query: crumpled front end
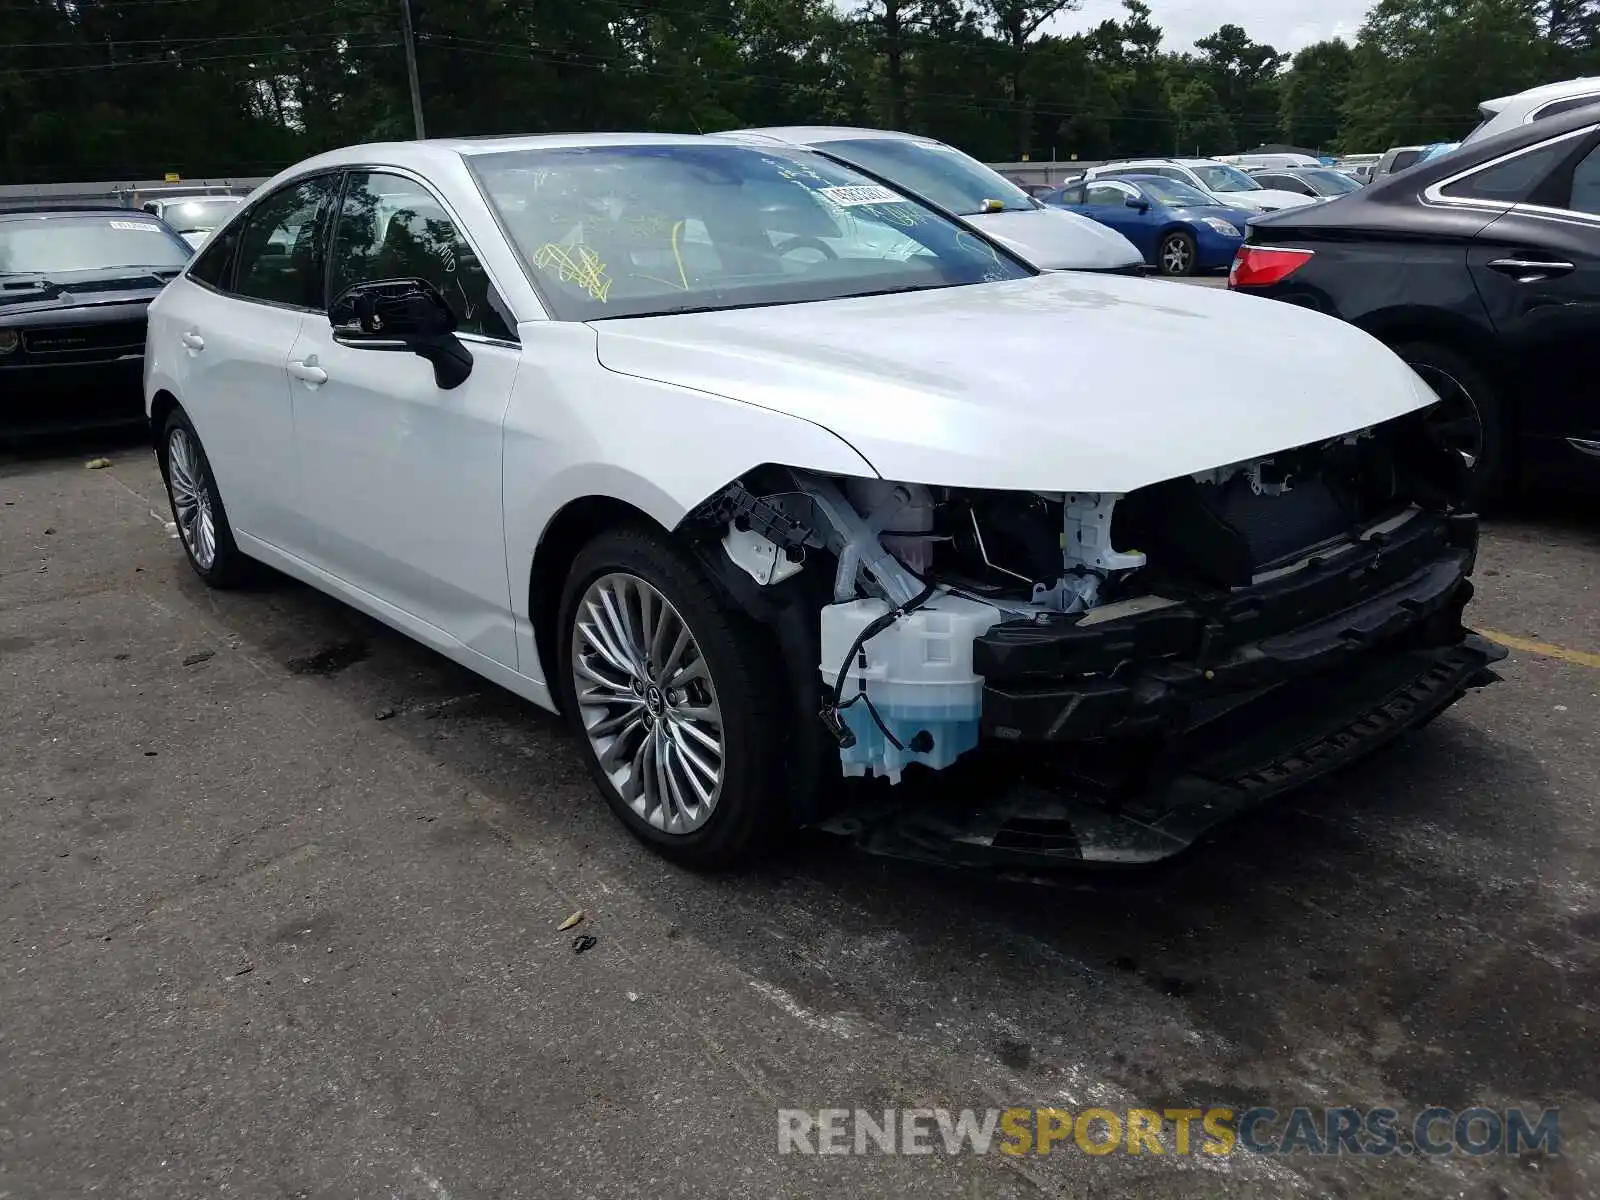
pixel 1110 676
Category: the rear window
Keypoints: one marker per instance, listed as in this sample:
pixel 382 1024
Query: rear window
pixel 64 245
pixel 934 171
pixel 199 216
pixel 1564 106
pixel 1512 181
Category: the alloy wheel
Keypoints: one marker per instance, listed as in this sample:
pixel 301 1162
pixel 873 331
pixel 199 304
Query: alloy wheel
pixel 1176 257
pixel 191 498
pixel 1456 419
pixel 647 703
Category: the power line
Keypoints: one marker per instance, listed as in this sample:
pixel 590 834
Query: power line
pixel 164 61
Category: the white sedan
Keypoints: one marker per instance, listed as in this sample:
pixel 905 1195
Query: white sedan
pixel 765 475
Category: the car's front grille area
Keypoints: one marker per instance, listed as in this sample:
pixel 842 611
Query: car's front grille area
pixel 83 343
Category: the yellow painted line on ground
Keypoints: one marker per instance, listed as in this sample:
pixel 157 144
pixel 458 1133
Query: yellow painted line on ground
pixel 1582 657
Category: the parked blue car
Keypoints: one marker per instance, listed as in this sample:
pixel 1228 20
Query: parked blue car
pixel 1179 229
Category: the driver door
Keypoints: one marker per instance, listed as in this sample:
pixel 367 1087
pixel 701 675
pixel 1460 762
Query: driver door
pixel 1106 200
pixel 401 477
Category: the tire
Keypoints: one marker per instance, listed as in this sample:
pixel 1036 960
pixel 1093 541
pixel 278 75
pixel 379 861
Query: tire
pixel 1468 395
pixel 622 711
pixel 197 508
pixel 1176 255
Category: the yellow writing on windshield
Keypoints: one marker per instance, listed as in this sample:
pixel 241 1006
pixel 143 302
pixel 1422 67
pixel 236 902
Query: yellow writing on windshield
pixel 577 265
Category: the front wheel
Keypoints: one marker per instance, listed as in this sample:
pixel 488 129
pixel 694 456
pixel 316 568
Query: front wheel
pixel 1177 254
pixel 675 699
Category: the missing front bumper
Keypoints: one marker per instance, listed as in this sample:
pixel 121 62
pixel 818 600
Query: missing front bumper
pixel 1114 805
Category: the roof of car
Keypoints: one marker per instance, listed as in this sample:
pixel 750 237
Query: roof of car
pixel 807 135
pixel 1547 91
pixel 70 210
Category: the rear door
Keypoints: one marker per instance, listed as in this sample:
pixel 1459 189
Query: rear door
pixel 1537 268
pixel 227 328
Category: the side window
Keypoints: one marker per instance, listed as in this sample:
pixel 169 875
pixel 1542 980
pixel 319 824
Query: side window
pixel 214 264
pixel 1073 195
pixel 1406 158
pixel 1585 194
pixel 390 227
pixel 1511 181
pixel 279 254
pixel 1556 108
pixel 1105 193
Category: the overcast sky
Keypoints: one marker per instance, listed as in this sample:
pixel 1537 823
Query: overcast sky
pixel 1287 25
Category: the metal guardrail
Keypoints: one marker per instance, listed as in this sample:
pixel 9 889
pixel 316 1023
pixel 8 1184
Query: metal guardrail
pixel 128 194
pixel 1045 172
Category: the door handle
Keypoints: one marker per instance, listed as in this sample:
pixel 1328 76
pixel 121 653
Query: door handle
pixel 308 372
pixel 1526 270
pixel 193 341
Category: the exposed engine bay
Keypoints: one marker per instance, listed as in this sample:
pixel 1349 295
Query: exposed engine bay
pixel 946 616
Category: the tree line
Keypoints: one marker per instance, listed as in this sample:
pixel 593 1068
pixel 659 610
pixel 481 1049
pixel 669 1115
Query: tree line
pixel 105 89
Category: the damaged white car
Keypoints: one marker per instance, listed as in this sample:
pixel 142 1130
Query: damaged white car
pixel 765 475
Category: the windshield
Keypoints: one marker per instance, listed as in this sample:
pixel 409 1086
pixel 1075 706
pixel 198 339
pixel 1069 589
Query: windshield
pixel 1330 183
pixel 60 245
pixel 628 231
pixel 1175 192
pixel 198 216
pixel 938 173
pixel 1219 177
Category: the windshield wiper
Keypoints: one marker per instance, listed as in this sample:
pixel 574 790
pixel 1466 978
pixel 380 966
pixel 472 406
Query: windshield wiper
pixel 895 291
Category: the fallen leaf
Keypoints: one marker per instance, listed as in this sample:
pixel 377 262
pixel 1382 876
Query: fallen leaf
pixel 570 921
pixel 95 464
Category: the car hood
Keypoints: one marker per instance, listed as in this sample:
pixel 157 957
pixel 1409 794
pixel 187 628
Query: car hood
pixel 1050 383
pixel 1055 240
pixel 20 301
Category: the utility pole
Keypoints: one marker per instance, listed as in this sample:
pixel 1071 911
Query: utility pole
pixel 409 36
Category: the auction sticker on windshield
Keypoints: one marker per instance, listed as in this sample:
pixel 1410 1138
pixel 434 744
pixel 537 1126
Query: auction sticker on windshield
pixel 136 226
pixel 859 194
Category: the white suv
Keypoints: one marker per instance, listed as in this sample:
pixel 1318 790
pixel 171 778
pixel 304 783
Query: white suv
pixel 1524 108
pixel 1230 186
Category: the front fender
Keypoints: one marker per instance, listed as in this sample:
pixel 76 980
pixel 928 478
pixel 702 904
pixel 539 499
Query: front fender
pixel 575 431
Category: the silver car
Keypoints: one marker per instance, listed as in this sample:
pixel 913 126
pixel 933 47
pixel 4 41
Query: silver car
pixel 194 217
pixel 1049 238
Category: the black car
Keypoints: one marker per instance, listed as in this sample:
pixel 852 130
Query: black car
pixel 74 287
pixel 1481 268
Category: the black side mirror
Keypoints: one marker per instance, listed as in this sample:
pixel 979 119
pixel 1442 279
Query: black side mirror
pixel 1138 202
pixel 407 315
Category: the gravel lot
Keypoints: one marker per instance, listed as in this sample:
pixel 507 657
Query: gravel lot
pixel 257 941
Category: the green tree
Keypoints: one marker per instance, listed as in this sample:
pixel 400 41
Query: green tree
pixel 1015 23
pixel 1244 76
pixel 1313 93
pixel 1203 127
pixel 1423 66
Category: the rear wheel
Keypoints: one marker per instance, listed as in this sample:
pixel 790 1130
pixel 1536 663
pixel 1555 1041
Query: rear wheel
pixel 197 508
pixel 675 700
pixel 1176 255
pixel 1468 418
